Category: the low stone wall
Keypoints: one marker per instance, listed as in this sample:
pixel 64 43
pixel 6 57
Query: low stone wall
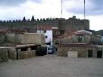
pixel 3 54
pixel 26 38
pixel 25 54
pixel 17 53
pixel 2 38
pixel 12 54
pixel 20 52
pixel 82 51
pixel 32 38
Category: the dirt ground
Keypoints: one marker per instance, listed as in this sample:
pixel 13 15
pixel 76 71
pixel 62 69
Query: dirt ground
pixel 53 66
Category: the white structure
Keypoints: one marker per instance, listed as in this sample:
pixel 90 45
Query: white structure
pixel 48 35
pixel 48 38
pixel 48 32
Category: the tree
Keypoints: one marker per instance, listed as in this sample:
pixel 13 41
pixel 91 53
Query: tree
pixel 24 19
pixel 32 19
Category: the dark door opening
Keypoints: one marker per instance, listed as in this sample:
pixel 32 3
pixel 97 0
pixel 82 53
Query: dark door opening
pixel 41 51
pixel 90 53
pixel 99 54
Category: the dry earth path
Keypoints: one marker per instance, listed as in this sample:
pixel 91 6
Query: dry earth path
pixel 53 66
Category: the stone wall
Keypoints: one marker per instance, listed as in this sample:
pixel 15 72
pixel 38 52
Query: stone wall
pixel 18 53
pixel 25 54
pixel 12 53
pixel 82 51
pixel 24 38
pixel 32 38
pixel 31 26
pixel 3 54
pixel 76 39
pixel 74 24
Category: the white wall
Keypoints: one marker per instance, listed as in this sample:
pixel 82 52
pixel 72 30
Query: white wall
pixel 49 34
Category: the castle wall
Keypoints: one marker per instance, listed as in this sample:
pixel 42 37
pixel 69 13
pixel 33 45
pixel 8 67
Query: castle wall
pixel 70 24
pixel 74 24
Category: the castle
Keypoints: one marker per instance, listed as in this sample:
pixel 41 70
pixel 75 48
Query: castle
pixel 63 25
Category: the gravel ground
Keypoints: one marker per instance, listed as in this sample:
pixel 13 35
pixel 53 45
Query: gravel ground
pixel 53 66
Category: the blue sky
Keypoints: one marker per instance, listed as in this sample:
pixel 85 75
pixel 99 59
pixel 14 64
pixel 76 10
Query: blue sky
pixel 16 9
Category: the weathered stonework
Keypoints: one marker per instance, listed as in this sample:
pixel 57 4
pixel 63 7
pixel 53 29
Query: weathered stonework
pixel 3 54
pixel 12 39
pixel 18 53
pixel 81 49
pixel 70 24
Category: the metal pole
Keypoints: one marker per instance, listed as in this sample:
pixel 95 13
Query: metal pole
pixel 61 8
pixel 84 9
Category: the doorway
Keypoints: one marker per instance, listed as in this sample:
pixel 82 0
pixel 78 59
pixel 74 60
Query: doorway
pixel 99 54
pixel 90 53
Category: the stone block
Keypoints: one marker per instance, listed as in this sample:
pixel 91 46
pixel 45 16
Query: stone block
pixel 3 54
pixel 12 54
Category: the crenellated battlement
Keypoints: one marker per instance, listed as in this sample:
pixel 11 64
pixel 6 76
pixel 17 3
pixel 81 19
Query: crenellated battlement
pixel 62 23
